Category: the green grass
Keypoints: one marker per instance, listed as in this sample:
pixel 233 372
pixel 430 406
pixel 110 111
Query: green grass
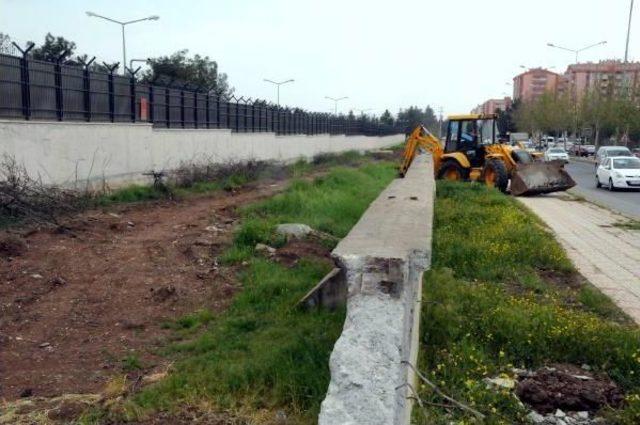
pixel 629 224
pixel 488 307
pixel 131 363
pixel 263 352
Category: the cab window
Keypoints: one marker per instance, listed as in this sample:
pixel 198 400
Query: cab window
pixel 453 136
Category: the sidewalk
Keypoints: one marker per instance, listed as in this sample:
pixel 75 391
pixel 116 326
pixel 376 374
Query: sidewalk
pixel 607 256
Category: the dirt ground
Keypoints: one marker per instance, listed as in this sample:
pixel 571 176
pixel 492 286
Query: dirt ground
pixel 75 303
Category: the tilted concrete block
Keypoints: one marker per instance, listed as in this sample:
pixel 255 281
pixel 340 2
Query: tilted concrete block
pixel 383 259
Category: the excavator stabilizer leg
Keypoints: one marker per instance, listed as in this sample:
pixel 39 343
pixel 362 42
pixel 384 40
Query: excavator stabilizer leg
pixel 540 177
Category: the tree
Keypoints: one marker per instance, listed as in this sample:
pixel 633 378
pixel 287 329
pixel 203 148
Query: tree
pixel 54 48
pixel 506 119
pixel 386 118
pixel 5 41
pixel 198 70
pixel 413 116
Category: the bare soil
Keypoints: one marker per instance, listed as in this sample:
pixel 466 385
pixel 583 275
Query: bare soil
pixel 569 388
pixel 77 300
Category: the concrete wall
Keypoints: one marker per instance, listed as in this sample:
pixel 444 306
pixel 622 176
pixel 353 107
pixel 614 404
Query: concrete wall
pixel 69 152
pixel 383 258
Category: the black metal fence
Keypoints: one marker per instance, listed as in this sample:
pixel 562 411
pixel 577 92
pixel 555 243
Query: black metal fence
pixel 39 90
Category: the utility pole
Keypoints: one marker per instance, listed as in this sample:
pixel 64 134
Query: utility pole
pixel 626 49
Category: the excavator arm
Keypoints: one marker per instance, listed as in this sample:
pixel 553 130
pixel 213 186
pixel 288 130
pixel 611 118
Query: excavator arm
pixel 420 137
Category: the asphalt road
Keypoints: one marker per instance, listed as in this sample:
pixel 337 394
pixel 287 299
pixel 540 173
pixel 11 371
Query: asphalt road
pixel 625 202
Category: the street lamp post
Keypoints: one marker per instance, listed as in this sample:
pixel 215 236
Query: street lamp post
pixel 278 84
pixel 122 25
pixel 576 51
pixel 335 102
pixel 575 94
pixel 626 49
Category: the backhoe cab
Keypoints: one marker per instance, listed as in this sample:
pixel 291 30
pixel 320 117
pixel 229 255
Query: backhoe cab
pixel 472 151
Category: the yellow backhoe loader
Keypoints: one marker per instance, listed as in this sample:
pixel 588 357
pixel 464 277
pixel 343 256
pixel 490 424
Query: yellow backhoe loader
pixel 471 152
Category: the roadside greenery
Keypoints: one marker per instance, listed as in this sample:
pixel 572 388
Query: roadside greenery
pixel 612 115
pixel 502 294
pixel 263 353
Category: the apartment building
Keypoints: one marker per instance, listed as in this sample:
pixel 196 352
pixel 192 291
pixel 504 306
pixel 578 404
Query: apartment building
pixel 532 83
pixel 491 105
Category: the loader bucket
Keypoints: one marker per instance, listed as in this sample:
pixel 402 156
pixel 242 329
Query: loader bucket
pixel 540 177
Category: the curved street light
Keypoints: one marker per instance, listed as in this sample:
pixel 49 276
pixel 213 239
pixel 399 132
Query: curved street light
pixel 123 24
pixel 278 84
pixel 576 51
pixel 335 102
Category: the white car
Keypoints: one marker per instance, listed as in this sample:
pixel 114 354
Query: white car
pixel 619 172
pixel 553 154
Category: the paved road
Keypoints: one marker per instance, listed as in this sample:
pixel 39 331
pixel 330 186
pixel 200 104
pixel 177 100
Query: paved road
pixel 627 202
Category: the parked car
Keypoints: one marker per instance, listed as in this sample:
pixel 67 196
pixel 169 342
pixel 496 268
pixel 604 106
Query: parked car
pixel 619 172
pixel 636 152
pixel 553 154
pixel 608 151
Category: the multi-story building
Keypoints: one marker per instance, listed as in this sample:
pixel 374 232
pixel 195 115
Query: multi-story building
pixel 608 77
pixel 492 105
pixel 533 83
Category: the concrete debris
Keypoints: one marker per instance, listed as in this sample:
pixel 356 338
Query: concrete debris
pixel 213 229
pixel 535 418
pixel 294 230
pixel 269 250
pixel 36 276
pixel 563 418
pixel 500 382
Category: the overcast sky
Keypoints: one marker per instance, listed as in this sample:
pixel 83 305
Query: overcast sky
pixel 382 54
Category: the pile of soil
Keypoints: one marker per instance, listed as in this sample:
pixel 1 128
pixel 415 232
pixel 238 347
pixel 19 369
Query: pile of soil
pixel 568 388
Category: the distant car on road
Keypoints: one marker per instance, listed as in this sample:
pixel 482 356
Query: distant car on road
pixel 552 154
pixel 583 150
pixel 619 172
pixel 609 151
pixel 636 152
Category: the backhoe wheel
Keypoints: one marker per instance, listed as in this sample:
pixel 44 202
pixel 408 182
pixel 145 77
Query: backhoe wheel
pixel 452 170
pixel 494 174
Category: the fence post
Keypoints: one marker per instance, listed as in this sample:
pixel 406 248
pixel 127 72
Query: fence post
pixel 24 80
pixel 237 115
pixel 218 122
pixel 132 91
pixel 152 102
pixel 229 113
pixel 57 77
pixel 253 116
pixel 86 87
pixel 112 96
pixel 195 107
pixel 167 106
pixel 207 116
pixel 182 106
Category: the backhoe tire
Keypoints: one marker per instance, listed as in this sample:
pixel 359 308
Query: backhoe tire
pixel 494 174
pixel 452 170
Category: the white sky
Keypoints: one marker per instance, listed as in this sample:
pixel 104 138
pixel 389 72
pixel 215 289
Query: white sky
pixel 382 54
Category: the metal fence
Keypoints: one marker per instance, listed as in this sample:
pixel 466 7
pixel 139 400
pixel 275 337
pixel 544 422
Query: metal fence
pixel 39 90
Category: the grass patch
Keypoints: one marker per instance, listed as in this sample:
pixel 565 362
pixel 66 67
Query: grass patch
pixel 629 224
pixel 262 353
pixel 488 306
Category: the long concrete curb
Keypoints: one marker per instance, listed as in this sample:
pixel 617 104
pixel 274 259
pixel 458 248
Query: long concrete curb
pixel 383 258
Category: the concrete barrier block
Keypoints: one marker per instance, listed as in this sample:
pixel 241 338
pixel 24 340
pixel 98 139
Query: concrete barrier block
pixel 383 259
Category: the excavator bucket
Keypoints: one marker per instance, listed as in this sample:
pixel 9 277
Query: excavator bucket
pixel 540 177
